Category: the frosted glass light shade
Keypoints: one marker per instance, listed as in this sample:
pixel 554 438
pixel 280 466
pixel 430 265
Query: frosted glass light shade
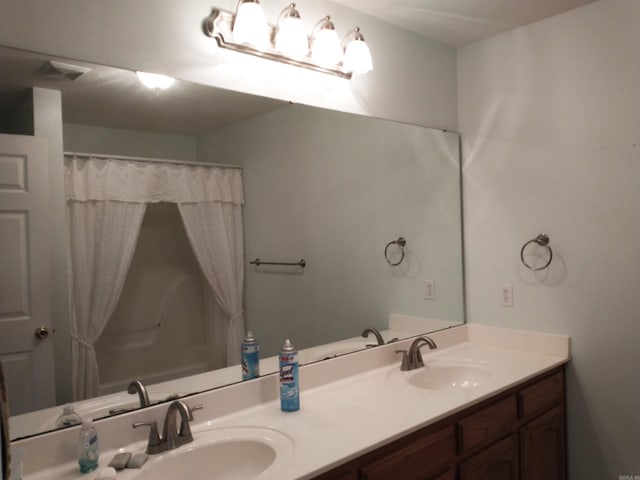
pixel 155 81
pixel 357 57
pixel 250 25
pixel 291 39
pixel 326 49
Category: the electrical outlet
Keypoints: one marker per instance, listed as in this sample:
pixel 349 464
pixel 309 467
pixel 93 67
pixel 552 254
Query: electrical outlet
pixel 429 290
pixel 506 295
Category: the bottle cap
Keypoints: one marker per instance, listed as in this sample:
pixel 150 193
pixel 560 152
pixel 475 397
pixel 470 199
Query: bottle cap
pixel 87 422
pixel 68 408
pixel 288 347
pixel 249 337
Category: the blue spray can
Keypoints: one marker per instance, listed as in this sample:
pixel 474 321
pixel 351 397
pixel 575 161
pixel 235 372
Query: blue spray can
pixel 250 357
pixel 289 381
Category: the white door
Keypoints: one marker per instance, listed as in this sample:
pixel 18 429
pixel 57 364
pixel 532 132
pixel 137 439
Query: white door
pixel 25 304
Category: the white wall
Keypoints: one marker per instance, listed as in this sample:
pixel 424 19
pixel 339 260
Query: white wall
pixel 333 189
pixel 550 121
pixel 118 141
pixel 47 123
pixel 413 78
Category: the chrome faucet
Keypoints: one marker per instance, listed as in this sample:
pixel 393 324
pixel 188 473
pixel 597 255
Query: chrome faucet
pixel 137 387
pixel 413 358
pixel 377 334
pixel 172 437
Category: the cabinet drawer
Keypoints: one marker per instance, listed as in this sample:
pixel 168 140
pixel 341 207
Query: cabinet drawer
pixel 487 423
pixel 426 455
pixel 498 462
pixel 542 395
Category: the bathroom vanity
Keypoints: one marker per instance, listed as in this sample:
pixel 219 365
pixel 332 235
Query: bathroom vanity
pixel 488 404
pixel 517 434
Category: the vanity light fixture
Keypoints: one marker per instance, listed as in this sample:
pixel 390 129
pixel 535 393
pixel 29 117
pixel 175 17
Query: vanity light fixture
pixel 357 57
pixel 247 31
pixel 325 43
pixel 250 25
pixel 290 36
pixel 155 81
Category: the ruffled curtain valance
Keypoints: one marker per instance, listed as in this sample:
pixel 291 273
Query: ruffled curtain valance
pixel 139 182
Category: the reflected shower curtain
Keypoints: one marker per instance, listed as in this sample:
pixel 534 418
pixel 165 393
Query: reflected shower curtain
pixel 216 236
pixel 106 200
pixel 102 239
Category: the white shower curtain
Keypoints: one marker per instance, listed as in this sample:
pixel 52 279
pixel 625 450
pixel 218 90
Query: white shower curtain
pixel 102 237
pixel 106 199
pixel 215 233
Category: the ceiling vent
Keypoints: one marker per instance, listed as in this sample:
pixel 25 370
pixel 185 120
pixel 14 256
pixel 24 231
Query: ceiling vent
pixel 66 70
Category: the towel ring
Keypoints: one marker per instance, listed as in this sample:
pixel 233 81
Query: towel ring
pixel 542 240
pixel 401 242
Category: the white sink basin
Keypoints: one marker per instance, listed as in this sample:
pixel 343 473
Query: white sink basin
pixel 238 453
pixel 437 377
pixel 443 375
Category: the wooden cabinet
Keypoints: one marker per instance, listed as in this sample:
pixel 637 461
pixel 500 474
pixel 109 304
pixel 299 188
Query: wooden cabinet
pixel 498 462
pixel 409 462
pixel 542 446
pixel 516 435
pixel 488 423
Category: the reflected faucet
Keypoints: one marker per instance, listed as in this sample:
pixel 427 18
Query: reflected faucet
pixel 172 437
pixel 377 334
pixel 413 359
pixel 137 387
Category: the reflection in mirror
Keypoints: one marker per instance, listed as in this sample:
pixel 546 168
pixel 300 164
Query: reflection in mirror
pixel 331 188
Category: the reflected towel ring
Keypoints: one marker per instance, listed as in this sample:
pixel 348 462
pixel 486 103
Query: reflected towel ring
pixel 542 240
pixel 401 242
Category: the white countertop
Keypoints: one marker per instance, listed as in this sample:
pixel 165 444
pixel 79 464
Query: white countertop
pixel 342 419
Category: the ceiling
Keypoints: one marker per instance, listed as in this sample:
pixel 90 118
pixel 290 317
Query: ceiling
pixel 458 22
pixel 113 97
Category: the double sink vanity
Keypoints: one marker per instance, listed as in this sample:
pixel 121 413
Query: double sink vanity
pixel 488 404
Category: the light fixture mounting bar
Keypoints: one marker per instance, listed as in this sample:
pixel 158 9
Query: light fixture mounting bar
pixel 219 26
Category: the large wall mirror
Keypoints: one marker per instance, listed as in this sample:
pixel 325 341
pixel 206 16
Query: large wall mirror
pixel 373 207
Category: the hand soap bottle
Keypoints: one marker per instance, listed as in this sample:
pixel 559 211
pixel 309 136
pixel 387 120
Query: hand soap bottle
pixel 68 417
pixel 88 450
pixel 289 381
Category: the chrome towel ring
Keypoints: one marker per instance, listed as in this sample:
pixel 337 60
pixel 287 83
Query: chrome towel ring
pixel 401 242
pixel 542 240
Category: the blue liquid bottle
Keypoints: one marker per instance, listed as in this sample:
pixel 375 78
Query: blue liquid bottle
pixel 88 450
pixel 289 381
pixel 250 357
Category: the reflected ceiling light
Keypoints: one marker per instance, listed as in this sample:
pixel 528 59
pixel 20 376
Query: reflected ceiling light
pixel 357 57
pixel 155 81
pixel 287 41
pixel 250 24
pixel 291 37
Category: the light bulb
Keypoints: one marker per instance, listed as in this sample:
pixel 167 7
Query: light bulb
pixel 291 37
pixel 326 49
pixel 357 57
pixel 250 25
pixel 155 81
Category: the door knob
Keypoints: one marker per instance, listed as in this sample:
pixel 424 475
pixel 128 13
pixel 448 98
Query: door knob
pixel 41 332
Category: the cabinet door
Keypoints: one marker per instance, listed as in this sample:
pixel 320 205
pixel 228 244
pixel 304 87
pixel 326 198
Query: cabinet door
pixel 498 462
pixel 543 447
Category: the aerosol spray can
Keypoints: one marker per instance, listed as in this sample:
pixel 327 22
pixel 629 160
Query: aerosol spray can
pixel 289 381
pixel 250 357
